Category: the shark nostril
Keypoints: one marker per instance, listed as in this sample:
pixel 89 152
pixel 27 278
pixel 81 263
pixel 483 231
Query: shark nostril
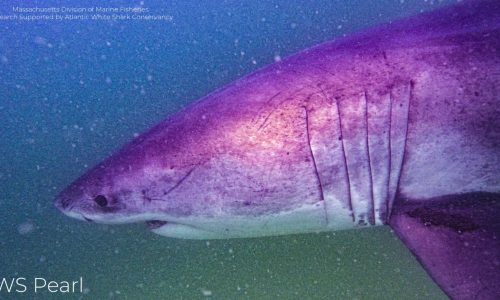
pixel 101 200
pixel 61 203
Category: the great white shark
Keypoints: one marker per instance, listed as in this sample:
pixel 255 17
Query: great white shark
pixel 397 125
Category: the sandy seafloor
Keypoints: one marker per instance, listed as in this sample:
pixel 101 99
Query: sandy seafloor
pixel 72 92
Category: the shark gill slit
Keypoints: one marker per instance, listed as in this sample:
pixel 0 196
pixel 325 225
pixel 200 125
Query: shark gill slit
pixel 320 185
pixel 371 217
pixel 410 96
pixel 346 169
pixel 389 161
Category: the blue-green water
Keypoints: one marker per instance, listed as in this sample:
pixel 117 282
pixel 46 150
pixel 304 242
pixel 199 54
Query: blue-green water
pixel 73 91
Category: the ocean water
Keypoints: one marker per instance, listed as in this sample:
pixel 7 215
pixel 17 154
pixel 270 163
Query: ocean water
pixel 73 91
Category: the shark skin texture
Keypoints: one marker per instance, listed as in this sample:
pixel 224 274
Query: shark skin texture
pixel 393 125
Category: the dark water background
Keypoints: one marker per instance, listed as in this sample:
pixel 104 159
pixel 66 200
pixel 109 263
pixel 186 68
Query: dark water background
pixel 72 92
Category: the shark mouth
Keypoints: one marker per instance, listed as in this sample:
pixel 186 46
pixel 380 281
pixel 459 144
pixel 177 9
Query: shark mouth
pixel 155 224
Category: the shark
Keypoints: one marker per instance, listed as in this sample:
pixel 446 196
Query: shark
pixel 397 125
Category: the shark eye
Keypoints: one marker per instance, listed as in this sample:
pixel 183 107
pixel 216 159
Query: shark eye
pixel 101 200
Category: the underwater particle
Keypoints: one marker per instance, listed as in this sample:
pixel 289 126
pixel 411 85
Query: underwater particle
pixel 40 41
pixel 42 259
pixel 150 77
pixel 108 80
pixel 86 290
pixel 277 58
pixel 206 292
pixel 254 61
pixel 26 228
pixel 4 59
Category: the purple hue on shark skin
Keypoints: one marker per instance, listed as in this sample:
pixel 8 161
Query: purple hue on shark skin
pixel 398 124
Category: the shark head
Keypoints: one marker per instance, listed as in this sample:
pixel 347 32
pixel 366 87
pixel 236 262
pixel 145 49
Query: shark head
pixel 130 188
pixel 212 171
pixel 97 196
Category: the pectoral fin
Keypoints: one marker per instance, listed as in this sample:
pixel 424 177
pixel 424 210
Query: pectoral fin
pixel 457 240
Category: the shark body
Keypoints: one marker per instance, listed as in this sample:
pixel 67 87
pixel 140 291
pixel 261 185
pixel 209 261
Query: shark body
pixel 396 125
